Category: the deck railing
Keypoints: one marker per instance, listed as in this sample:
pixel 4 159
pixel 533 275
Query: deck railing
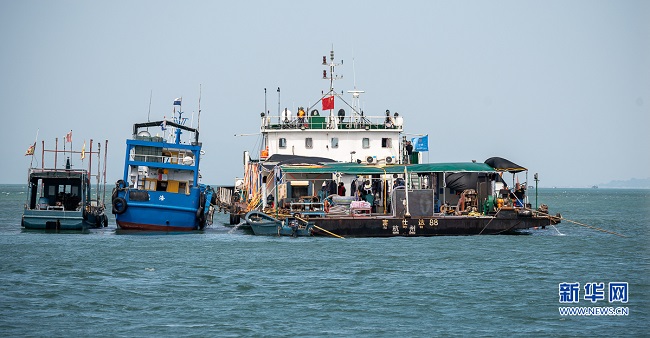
pixel 182 160
pixel 272 122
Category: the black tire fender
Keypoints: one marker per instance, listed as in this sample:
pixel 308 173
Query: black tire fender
pixel 119 205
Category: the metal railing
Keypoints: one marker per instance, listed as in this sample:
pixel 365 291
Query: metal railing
pixel 274 122
pixel 182 160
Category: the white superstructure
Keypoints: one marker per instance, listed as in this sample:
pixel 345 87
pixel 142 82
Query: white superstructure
pixel 343 134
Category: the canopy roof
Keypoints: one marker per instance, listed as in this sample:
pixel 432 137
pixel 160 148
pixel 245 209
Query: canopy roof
pixel 468 180
pixel 361 169
pixel 501 164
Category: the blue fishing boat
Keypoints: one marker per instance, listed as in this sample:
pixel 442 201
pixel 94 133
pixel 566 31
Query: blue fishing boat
pixel 160 189
pixel 61 198
pixel 265 225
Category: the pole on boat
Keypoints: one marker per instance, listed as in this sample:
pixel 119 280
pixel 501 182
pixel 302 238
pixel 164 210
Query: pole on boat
pixel 89 194
pixel 70 150
pixel 149 112
pixel 275 181
pixel 35 140
pixel 279 118
pixel 198 119
pixel 407 214
pixel 99 164
pixel 536 181
pixel 104 188
pixel 43 154
pixel 56 150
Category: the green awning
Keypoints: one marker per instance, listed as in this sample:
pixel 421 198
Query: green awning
pixel 363 169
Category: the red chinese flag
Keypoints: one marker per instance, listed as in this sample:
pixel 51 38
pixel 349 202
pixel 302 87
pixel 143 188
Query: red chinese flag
pixel 328 103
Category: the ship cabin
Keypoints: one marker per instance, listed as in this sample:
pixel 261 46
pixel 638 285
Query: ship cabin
pixel 340 137
pixel 62 190
pixel 153 164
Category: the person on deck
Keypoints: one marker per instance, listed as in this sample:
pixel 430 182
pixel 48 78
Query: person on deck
pixel 341 189
pixel 409 150
pixel 301 115
pixel 398 181
pixel 367 193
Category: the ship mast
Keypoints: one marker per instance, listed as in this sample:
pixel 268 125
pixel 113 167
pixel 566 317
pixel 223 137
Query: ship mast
pixel 331 75
pixel 355 93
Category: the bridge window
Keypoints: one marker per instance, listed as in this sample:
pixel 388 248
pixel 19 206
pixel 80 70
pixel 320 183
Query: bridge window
pixel 335 142
pixel 386 142
pixel 365 143
pixel 309 143
pixel 282 143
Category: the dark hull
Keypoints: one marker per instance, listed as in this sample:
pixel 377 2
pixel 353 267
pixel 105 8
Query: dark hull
pixel 61 220
pixel 152 227
pixel 383 226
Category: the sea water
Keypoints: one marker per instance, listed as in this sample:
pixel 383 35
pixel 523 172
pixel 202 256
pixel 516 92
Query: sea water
pixel 227 282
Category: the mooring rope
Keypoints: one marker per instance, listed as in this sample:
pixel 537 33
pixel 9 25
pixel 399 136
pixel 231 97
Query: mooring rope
pixel 488 223
pixel 580 224
pixel 319 228
pixel 327 232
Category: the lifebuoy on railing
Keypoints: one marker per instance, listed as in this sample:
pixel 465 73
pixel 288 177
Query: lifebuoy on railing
pixel 326 206
pixel 443 209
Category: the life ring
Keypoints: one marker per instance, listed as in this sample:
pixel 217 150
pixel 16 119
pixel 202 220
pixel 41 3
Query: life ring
pixel 443 208
pixel 119 205
pixel 326 206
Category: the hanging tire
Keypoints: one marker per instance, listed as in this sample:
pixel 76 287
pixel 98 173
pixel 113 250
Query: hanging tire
pixel 200 216
pixel 120 184
pixel 119 205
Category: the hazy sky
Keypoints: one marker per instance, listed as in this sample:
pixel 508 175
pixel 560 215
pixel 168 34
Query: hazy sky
pixel 560 87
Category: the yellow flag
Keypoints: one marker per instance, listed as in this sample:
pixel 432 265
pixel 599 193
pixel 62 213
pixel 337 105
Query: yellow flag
pixel 83 151
pixel 30 150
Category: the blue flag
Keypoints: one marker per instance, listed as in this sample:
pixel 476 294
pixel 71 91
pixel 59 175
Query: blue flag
pixel 421 143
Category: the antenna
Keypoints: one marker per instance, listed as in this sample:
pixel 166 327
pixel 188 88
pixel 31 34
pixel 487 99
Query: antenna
pixel 198 119
pixel 354 75
pixel 355 93
pixel 149 112
pixel 331 65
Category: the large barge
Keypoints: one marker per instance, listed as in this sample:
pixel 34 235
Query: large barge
pixel 357 175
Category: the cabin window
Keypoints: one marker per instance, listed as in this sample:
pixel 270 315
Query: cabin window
pixel 309 143
pixel 335 142
pixel 282 143
pixel 386 142
pixel 150 184
pixel 365 143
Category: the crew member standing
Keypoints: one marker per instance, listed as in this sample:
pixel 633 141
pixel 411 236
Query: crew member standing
pixel 409 150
